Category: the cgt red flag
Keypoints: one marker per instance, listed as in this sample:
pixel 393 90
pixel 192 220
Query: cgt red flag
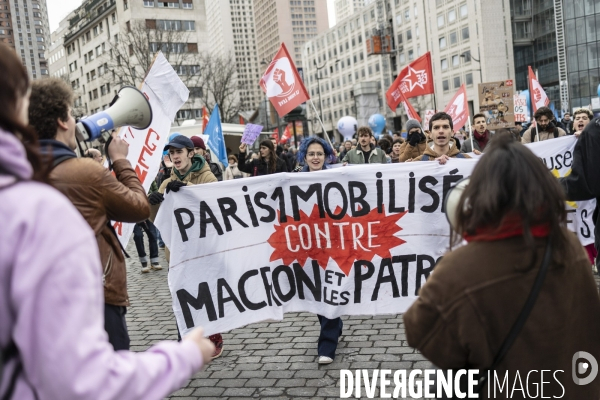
pixel 242 122
pixel 538 96
pixel 416 79
pixel 458 108
pixel 282 84
pixel 205 118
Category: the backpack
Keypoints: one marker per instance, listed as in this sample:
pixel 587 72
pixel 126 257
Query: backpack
pixel 427 157
pixel 532 133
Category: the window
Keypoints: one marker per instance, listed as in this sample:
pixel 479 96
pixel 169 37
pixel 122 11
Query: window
pixel 466 56
pixel 148 3
pixel 451 16
pixel 445 85
pixel 463 10
pixel 440 20
pixel 195 91
pixel 408 35
pixel 443 42
pixel 455 61
pixel 456 82
pixel 453 38
pixel 189 25
pixel 465 33
pixel 125 4
pixel 402 58
pixel 444 64
pixel 411 55
pixel 400 38
pixel 399 19
pixel 469 79
pixel 187 6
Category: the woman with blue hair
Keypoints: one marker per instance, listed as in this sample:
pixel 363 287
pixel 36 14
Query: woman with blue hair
pixel 315 153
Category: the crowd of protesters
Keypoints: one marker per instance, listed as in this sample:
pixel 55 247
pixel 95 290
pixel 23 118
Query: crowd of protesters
pixel 64 298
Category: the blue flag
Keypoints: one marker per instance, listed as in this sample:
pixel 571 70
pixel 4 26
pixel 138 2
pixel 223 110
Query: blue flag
pixel 216 141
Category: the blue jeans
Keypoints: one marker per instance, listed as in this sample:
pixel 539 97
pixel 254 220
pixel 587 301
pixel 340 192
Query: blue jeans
pixel 138 237
pixel 160 241
pixel 331 330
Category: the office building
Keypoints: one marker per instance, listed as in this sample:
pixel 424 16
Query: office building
pixel 345 8
pixel 273 20
pixel 231 27
pixel 24 26
pixel 354 83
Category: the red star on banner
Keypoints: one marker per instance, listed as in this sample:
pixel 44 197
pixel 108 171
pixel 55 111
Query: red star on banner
pixel 415 78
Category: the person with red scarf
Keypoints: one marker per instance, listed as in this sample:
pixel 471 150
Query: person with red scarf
pixel 511 214
pixel 481 136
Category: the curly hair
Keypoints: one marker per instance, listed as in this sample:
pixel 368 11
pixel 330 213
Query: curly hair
pixel 50 101
pixel 543 111
pixel 583 111
pixel 301 154
pixel 364 130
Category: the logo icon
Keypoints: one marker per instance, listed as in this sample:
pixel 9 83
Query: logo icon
pixel 580 367
pixel 415 78
pixel 282 82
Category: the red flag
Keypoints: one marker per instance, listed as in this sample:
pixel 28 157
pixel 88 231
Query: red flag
pixel 275 135
pixel 458 108
pixel 286 134
pixel 416 79
pixel 282 84
pixel 205 118
pixel 538 96
pixel 242 122
pixel 410 111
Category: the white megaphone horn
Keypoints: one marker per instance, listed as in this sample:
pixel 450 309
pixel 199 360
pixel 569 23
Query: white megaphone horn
pixel 130 107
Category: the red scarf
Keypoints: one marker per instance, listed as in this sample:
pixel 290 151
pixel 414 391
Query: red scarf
pixel 482 139
pixel 511 226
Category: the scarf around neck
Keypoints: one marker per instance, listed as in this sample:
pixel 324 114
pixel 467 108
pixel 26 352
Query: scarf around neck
pixel 197 164
pixel 482 139
pixel 510 226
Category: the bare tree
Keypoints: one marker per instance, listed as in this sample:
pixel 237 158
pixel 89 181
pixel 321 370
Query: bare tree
pixel 211 79
pixel 220 86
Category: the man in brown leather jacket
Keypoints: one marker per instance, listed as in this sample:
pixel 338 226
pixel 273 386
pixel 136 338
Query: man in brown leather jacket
pixel 98 195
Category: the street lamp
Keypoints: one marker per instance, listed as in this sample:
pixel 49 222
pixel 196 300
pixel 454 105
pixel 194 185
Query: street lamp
pixel 319 86
pixel 468 53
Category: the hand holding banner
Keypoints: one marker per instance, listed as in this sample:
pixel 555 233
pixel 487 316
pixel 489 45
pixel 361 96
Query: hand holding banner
pixel 251 132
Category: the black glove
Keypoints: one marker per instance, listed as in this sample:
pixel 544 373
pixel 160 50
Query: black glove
pixel 174 186
pixel 414 139
pixel 155 198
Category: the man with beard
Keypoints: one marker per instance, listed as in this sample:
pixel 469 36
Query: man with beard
pixel 546 129
pixel 481 136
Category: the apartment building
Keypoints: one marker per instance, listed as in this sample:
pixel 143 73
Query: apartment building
pixel 353 83
pixel 231 27
pixel 24 26
pixel 292 22
pixel 93 45
pixel 345 8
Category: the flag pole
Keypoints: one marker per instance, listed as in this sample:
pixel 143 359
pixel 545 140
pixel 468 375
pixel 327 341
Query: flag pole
pixel 471 133
pixel 531 99
pixel 321 122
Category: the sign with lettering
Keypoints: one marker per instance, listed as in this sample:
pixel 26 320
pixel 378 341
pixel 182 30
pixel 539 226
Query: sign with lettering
pixel 348 241
pixel 166 94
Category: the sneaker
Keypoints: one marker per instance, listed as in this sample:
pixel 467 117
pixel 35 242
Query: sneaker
pixel 145 268
pixel 217 340
pixel 594 269
pixel 161 246
pixel 325 360
pixel 156 267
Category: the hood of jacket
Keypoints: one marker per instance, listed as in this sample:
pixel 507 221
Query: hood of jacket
pixel 13 159
pixel 431 152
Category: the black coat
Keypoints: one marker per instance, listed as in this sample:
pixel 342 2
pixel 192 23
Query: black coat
pixel 258 167
pixel 584 181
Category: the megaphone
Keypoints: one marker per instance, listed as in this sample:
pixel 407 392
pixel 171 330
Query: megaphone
pixel 452 198
pixel 130 107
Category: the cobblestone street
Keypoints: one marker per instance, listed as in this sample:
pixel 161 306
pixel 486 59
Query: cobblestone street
pixel 275 360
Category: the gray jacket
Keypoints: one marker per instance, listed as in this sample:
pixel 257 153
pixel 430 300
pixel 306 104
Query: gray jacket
pixel 356 156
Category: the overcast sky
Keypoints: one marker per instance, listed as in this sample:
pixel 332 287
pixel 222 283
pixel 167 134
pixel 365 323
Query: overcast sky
pixel 58 9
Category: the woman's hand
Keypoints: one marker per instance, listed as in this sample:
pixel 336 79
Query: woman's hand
pixel 243 147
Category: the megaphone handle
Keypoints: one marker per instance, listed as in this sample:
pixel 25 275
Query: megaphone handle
pixel 108 160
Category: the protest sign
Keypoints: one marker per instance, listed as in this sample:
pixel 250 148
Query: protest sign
pixel 251 132
pixel 166 94
pixel 521 110
pixel 348 241
pixel 496 102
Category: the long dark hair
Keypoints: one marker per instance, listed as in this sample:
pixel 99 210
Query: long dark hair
pixel 271 159
pixel 14 81
pixel 509 180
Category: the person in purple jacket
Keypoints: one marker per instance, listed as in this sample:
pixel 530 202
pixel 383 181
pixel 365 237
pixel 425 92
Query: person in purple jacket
pixel 52 335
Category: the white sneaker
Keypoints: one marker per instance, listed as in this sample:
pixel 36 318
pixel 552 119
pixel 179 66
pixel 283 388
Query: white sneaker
pixel 325 360
pixel 156 267
pixel 145 268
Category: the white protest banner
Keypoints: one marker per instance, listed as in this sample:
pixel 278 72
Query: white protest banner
pixel 166 94
pixel 348 241
pixel 557 155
